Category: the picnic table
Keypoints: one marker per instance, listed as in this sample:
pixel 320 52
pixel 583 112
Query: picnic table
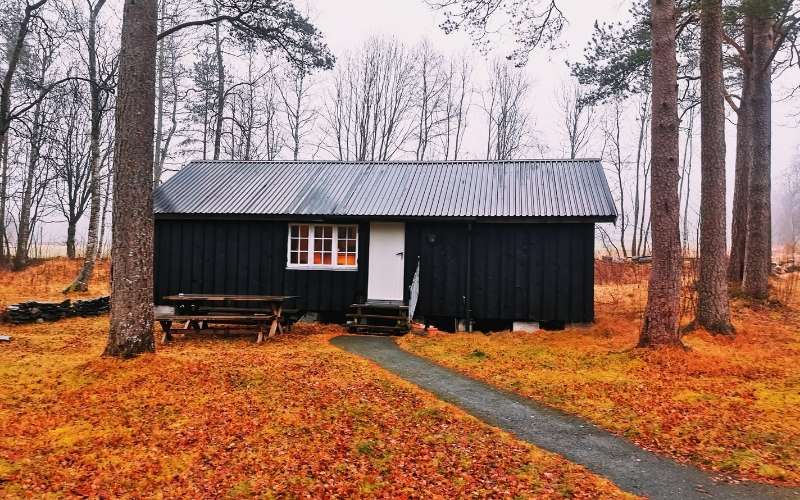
pixel 198 310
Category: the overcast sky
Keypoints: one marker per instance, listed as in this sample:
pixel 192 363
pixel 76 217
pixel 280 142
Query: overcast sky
pixel 348 23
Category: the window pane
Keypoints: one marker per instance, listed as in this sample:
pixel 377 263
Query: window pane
pixel 298 243
pixel 346 245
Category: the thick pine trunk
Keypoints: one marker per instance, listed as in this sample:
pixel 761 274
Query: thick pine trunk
pixel 713 308
pixel 744 158
pixel 131 330
pixel 755 282
pixel 663 294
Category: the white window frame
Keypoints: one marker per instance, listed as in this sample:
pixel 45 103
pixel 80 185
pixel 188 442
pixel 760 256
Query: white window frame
pixel 334 248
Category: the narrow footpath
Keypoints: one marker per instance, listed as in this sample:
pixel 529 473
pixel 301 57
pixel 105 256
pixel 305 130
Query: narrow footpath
pixel 631 468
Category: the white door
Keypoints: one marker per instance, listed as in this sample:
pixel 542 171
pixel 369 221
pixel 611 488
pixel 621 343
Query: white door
pixel 387 242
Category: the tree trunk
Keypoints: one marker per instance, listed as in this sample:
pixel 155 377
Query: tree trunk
pixel 3 196
pixel 758 253
pixel 71 239
pixel 157 164
pixel 713 308
pixel 106 197
pixel 24 222
pixel 661 315
pixel 81 282
pixel 220 93
pixel 131 329
pixel 744 158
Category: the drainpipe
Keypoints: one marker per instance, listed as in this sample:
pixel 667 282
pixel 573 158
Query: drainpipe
pixel 468 292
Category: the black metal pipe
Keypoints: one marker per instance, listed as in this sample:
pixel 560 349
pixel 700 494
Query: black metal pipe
pixel 468 291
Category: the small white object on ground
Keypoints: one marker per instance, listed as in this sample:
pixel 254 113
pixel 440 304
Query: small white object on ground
pixel 525 326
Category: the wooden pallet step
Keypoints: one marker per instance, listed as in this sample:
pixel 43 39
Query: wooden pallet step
pixel 377 316
pixel 378 328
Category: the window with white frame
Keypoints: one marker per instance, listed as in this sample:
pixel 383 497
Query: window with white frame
pixel 323 246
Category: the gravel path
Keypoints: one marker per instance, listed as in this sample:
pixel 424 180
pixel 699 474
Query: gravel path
pixel 628 466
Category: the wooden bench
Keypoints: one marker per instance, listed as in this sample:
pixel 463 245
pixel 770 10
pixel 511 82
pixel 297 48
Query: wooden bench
pixel 193 321
pixel 287 319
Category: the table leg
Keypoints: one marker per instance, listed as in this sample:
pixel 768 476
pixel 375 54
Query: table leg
pixel 260 332
pixel 276 319
pixel 166 326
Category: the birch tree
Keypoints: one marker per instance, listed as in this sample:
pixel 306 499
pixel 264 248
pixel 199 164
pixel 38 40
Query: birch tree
pixel 71 161
pixel 430 98
pixel 458 103
pixel 38 122
pixel 577 118
pixel 101 69
pixel 506 110
pixel 369 110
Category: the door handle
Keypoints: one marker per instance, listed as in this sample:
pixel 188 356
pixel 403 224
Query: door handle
pixel 400 254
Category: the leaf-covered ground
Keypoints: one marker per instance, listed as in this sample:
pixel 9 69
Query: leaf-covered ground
pixel 217 417
pixel 731 406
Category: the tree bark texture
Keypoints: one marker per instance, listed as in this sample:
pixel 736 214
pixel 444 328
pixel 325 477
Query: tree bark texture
pixel 220 93
pixel 131 330
pixel 758 254
pixel 24 222
pixel 71 239
pixel 3 195
pixel 157 165
pixel 713 308
pixel 744 158
pixel 662 314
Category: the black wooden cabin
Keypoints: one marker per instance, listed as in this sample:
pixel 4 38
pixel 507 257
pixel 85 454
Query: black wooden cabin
pixel 494 241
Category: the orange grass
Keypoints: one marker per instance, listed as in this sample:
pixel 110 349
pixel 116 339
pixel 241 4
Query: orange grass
pixel 223 417
pixel 44 281
pixel 728 405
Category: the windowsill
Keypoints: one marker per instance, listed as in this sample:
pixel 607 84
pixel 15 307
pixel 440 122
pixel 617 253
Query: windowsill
pixel 319 267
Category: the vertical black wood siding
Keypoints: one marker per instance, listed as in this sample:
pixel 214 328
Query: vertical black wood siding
pixel 536 272
pixel 248 257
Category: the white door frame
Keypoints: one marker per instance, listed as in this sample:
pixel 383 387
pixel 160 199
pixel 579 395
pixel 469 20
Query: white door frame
pixel 385 275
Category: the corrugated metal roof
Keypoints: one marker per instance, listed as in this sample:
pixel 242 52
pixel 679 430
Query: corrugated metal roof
pixel 498 189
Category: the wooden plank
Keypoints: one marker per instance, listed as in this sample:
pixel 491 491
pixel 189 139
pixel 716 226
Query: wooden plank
pixel 375 316
pixel 194 297
pixel 213 317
